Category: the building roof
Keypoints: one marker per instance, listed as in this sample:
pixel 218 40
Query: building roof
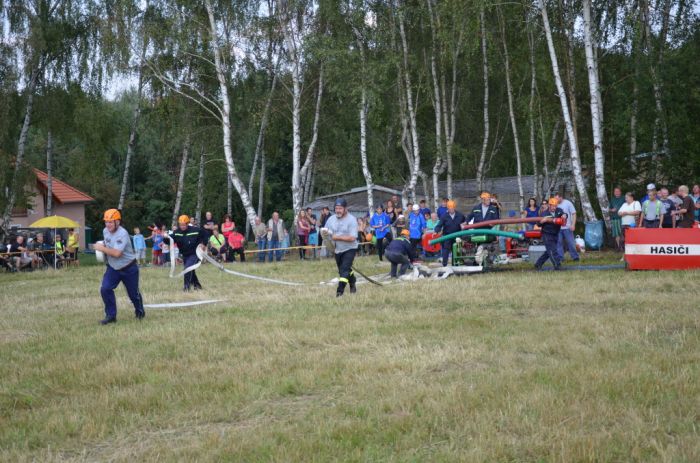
pixel 62 192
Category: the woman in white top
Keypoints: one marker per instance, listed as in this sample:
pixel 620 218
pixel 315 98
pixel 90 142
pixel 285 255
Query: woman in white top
pixel 629 212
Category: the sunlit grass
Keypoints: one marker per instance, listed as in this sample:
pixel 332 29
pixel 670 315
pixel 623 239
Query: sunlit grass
pixel 513 365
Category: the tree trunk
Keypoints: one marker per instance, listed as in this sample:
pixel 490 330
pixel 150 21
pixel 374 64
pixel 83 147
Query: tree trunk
pixel 200 190
pixel 307 169
pixel 181 180
pixel 21 146
pixel 437 106
pixel 485 143
pixel 49 174
pixel 533 90
pixel 569 18
pixel 413 126
pixel 261 186
pixel 225 111
pixel 363 151
pixel 588 211
pixel 229 196
pixel 596 111
pixel 132 142
pixel 511 111
pixel 260 142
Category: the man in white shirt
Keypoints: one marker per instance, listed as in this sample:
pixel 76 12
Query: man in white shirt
pixel 566 234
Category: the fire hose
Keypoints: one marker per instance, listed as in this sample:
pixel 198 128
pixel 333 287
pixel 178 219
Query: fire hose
pixel 487 231
pixel 490 223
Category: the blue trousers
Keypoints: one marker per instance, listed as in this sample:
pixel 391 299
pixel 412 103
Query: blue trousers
pixel 274 245
pixel 262 245
pixel 190 277
pixel 566 238
pixel 111 279
pixel 551 253
pixel 446 250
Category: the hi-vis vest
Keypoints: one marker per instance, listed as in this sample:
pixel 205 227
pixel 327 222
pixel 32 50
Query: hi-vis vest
pixel 646 207
pixel 59 247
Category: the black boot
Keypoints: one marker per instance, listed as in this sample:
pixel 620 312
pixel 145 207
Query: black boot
pixel 353 280
pixel 341 289
pixel 108 320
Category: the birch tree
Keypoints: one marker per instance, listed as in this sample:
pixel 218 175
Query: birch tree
pixel 49 174
pixel 181 180
pixel 596 111
pixel 588 212
pixel 485 66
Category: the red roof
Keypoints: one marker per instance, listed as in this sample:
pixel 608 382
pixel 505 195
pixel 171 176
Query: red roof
pixel 62 192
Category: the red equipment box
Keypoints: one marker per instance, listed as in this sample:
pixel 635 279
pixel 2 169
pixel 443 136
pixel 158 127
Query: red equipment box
pixel 662 248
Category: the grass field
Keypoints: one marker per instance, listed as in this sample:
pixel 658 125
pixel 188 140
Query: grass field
pixel 507 366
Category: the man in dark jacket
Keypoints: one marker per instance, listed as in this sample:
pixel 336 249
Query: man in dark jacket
pixel 485 210
pixel 449 223
pixel 551 223
pixel 188 238
pixel 400 252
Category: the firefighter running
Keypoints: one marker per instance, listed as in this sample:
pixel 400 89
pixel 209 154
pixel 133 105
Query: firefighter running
pixel 342 230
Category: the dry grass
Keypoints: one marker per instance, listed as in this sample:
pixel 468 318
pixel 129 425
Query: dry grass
pixel 516 366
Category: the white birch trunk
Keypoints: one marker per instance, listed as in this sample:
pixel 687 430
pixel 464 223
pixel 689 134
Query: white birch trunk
pixel 181 180
pixel 533 90
pixel 413 127
pixel 485 144
pixel 596 111
pixel 363 151
pixel 49 174
pixel 511 111
pixel 225 112
pixel 438 101
pixel 261 186
pixel 21 146
pixel 588 212
pixel 200 190
pixel 229 196
pixel 306 170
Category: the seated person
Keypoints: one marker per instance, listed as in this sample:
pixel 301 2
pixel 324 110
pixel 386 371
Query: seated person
pixel 217 244
pixel 19 254
pixel 236 245
pixel 41 252
pixel 60 250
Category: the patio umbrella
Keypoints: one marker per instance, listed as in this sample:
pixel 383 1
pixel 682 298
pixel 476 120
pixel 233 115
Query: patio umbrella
pixel 55 222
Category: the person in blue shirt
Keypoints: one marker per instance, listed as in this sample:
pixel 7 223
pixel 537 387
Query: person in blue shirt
pixel 449 223
pixel 442 210
pixel 381 225
pixel 416 225
pixel 485 210
pixel 400 252
pixel 531 211
pixel 550 234
pixel 139 246
pixel 424 209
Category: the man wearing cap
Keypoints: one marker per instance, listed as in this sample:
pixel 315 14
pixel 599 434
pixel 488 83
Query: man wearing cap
pixel 342 229
pixel 486 210
pixel 449 223
pixel 416 225
pixel 121 267
pixel 652 210
pixel 400 252
pixel 550 234
pixel 188 238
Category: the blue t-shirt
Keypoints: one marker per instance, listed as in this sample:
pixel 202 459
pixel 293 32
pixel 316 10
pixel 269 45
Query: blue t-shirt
pixel 442 210
pixel 380 220
pixel 416 224
pixel 157 240
pixel 425 210
pixel 139 242
pixel 529 213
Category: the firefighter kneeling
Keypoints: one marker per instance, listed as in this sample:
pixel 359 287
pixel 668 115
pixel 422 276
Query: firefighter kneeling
pixel 400 252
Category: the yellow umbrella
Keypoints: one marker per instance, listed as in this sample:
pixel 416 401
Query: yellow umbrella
pixel 55 221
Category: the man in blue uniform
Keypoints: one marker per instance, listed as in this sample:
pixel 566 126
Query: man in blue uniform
pixel 121 267
pixel 449 223
pixel 188 238
pixel 400 252
pixel 381 224
pixel 551 222
pixel 416 225
pixel 341 228
pixel 484 211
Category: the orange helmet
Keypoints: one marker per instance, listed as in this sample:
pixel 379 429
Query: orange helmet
pixel 405 232
pixel 368 237
pixel 183 219
pixel 485 195
pixel 451 204
pixel 553 202
pixel 111 215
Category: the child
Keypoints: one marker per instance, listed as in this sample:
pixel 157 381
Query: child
pixel 157 238
pixel 139 246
